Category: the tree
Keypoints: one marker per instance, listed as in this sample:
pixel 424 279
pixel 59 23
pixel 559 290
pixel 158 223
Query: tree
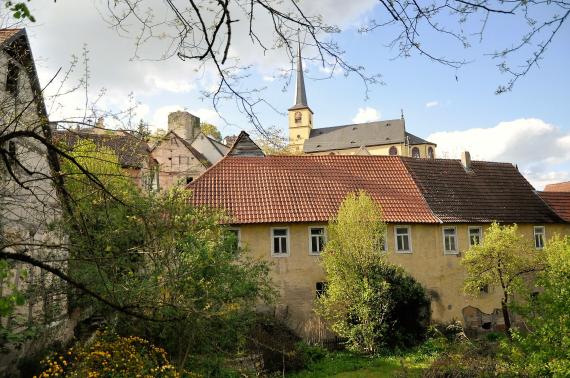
pixel 171 264
pixel 273 142
pixel 503 260
pixel 543 349
pixel 211 130
pixel 368 301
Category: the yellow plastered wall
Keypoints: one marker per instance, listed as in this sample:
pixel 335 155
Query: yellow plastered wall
pixel 300 130
pixel 403 150
pixel 296 274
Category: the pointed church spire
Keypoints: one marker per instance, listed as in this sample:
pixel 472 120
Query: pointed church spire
pixel 300 94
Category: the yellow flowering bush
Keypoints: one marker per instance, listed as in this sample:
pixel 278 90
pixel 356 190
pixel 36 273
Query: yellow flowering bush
pixel 111 356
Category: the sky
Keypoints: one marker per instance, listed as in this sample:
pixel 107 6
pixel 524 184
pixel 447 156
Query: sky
pixel 455 108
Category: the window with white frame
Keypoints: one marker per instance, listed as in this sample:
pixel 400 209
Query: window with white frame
pixel 316 240
pixel 450 240
pixel 475 235
pixel 539 237
pixel 403 239
pixel 280 241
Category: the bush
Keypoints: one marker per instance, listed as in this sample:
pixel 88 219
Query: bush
pixel 280 347
pixel 465 359
pixel 369 302
pixel 545 349
pixel 111 356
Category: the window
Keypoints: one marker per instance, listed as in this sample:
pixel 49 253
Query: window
pixel 12 78
pixel 539 237
pixel 189 179
pixel 393 151
pixel 316 240
pixel 234 239
pixel 403 240
pixel 475 235
pixel 320 288
pixel 280 245
pixel 415 152
pixel 450 240
pixel 298 117
pixel 430 153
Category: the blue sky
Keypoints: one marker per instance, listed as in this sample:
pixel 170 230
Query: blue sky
pixel 529 126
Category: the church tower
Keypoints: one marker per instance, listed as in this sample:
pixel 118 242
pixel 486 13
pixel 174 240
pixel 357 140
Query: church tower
pixel 300 115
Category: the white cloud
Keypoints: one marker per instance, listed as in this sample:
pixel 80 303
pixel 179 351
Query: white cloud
pixel 366 114
pixel 535 146
pixel 170 85
pixel 268 78
pixel 432 104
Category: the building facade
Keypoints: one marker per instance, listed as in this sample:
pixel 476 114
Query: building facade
pixel 434 209
pixel 375 138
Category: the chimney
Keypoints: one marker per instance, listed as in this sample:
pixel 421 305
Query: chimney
pixel 186 125
pixel 466 160
pixel 99 126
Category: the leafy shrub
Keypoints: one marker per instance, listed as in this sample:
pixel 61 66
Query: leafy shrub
pixel 545 349
pixel 369 302
pixel 280 347
pixel 111 356
pixel 465 359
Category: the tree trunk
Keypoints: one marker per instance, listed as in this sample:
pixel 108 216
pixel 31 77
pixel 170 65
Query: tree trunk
pixel 506 317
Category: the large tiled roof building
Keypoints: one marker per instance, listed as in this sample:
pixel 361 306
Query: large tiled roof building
pixel 435 209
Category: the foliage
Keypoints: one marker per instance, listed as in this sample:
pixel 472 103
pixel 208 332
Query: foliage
pixel 545 349
pixel 368 301
pixel 163 260
pixel 111 356
pixel 19 10
pixel 211 130
pixel 273 142
pixel 502 260
pixel 347 364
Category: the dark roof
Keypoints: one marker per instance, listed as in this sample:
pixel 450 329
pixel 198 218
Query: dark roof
pixel 558 187
pixel 245 146
pixel 300 93
pixel 559 202
pixel 360 134
pixel 130 150
pixel 308 188
pixel 489 192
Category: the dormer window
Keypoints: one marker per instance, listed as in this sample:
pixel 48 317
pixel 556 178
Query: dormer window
pixel 12 79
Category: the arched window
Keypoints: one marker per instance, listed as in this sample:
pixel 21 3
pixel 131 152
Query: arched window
pixel 430 153
pixel 393 151
pixel 415 152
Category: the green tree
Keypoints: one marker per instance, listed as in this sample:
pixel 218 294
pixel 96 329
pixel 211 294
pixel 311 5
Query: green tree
pixel 543 350
pixel 368 301
pixel 157 257
pixel 211 130
pixel 503 260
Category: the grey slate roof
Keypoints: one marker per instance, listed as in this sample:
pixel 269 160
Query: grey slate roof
pixel 361 134
pixel 300 93
pixel 245 146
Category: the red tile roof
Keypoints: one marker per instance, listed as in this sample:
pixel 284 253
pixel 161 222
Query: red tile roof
pixel 558 187
pixel 559 202
pixel 308 188
pixel 488 192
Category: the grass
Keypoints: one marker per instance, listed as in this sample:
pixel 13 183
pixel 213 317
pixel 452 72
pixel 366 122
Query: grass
pixel 347 365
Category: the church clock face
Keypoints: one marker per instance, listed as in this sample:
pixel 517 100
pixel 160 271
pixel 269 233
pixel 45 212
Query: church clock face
pixel 297 117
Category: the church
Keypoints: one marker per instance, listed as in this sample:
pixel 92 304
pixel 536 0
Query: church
pixel 372 138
